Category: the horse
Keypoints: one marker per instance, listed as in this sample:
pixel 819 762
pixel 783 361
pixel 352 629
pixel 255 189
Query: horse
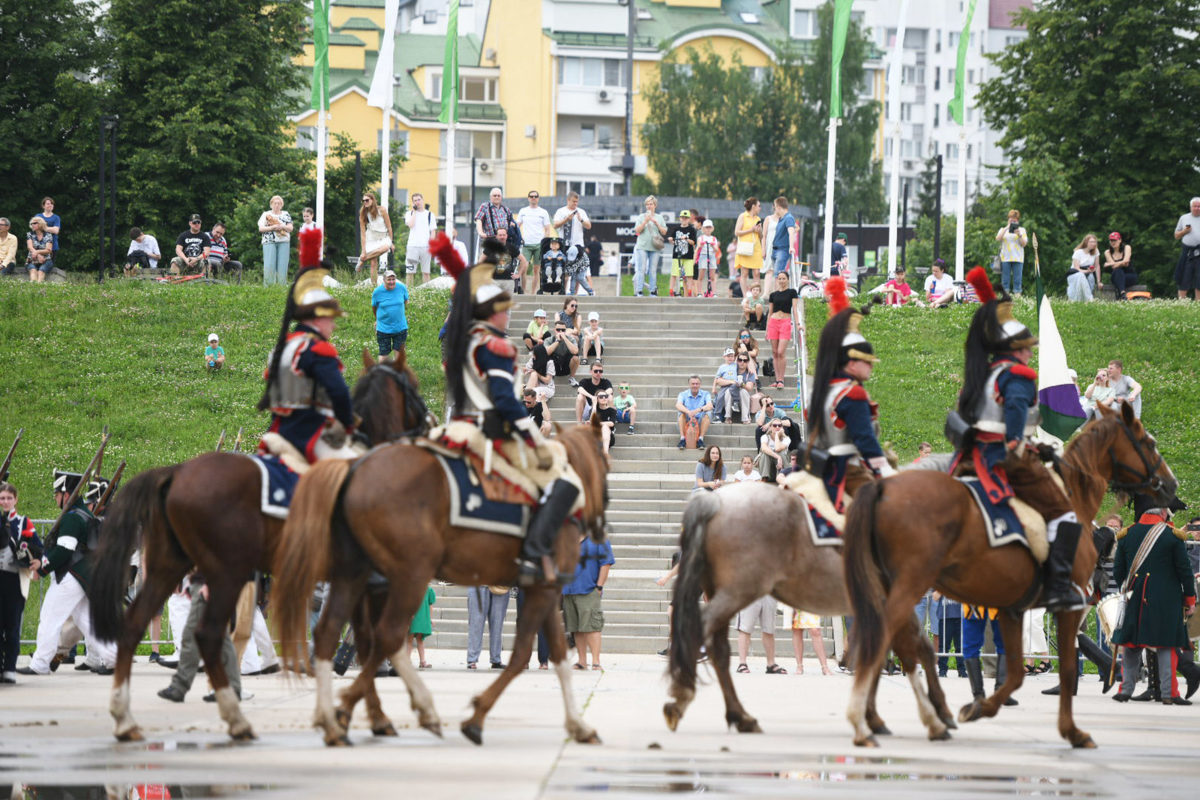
pixel 922 528
pixel 207 513
pixel 734 564
pixel 389 513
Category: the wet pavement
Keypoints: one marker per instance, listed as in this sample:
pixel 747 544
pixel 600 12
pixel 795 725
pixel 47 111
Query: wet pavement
pixel 55 742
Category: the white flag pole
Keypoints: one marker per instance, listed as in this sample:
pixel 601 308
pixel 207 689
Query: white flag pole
pixel 961 206
pixel 451 188
pixel 827 252
pixel 320 216
pixel 895 73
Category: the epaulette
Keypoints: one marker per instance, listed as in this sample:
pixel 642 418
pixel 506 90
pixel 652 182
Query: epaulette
pixel 1180 533
pixel 500 346
pixel 1121 533
pixel 1022 371
pixel 858 392
pixel 322 347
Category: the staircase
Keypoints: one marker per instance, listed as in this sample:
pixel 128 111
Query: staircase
pixel 654 345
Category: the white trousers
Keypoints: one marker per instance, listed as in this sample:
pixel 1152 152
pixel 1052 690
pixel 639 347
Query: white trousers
pixel 260 652
pixel 67 600
pixel 178 606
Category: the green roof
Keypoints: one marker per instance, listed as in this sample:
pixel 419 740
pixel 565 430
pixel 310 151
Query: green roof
pixel 360 3
pixel 344 39
pixel 360 24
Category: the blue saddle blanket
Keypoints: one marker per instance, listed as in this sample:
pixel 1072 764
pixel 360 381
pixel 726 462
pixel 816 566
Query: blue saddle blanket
pixel 822 530
pixel 278 485
pixel 470 508
pixel 1003 527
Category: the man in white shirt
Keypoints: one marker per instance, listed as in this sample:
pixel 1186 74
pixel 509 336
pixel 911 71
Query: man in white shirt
pixel 1187 271
pixel 533 221
pixel 143 252
pixel 459 247
pixel 571 221
pixel 421 226
pixel 8 248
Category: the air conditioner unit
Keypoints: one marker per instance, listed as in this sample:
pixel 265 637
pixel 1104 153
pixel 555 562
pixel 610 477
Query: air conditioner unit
pixel 603 96
pixel 484 166
pixel 490 54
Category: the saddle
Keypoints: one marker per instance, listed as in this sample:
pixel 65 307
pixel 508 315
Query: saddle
pixel 496 486
pixel 294 460
pixel 824 523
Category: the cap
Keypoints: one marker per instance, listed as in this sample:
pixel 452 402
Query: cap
pixel 841 235
pixel 708 223
pixel 95 490
pixel 593 316
pixel 194 218
pixel 212 337
pixel 1114 235
pixel 389 273
pixel 541 312
pixel 66 481
pixel 728 351
pixel 685 214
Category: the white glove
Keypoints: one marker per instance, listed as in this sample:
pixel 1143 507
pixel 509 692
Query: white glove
pixel 881 466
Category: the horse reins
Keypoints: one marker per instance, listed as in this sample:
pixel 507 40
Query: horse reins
pixel 1150 480
pixel 414 404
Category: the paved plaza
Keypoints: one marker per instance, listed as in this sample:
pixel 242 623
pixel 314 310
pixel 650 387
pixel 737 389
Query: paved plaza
pixel 55 735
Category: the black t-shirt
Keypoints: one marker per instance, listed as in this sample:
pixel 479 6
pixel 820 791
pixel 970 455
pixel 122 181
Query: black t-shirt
pixel 541 359
pixel 193 244
pixel 595 251
pixel 591 387
pixel 782 301
pixel 535 413
pixel 683 241
pixel 508 259
pixel 608 415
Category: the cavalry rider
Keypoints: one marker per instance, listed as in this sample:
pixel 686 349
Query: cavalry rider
pixel 998 403
pixel 843 423
pixel 480 369
pixel 308 397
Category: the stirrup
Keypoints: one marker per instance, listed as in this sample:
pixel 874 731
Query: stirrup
pixel 1073 599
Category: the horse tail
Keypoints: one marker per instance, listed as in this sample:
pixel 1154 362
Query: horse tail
pixel 303 556
pixel 865 581
pixel 136 514
pixel 687 629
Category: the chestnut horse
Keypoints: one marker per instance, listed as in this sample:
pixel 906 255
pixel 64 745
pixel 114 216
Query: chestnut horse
pixel 389 513
pixel 207 513
pixel 922 528
pixel 734 565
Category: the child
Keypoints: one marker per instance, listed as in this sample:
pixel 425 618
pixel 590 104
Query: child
pixel 608 420
pixel 754 309
pixel 625 406
pixel 19 548
pixel 747 472
pixel 683 248
pixel 214 354
pixel 708 251
pixel 309 217
pixel 422 626
pixel 554 265
pixel 536 331
pixel 897 292
pixel 593 340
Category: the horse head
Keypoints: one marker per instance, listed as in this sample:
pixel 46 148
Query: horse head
pixel 1136 466
pixel 388 398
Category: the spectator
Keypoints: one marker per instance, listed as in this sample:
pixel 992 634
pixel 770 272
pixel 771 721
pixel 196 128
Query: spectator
pixel 1012 238
pixel 745 343
pixel 710 470
pixel 582 599
pixel 275 225
pixel 53 221
pixel 143 252
pixel 422 225
pixel 214 354
pixel 793 464
pixel 772 450
pixel 804 622
pixel 553 272
pixel 1125 387
pixel 507 252
pixel 761 611
pixel 540 369
pixel 779 325
pixel 651 230
pixel 493 216
pixel 1100 392
pixel 569 316
pixel 565 352
pixel 1187 270
pixel 770 223
pixel 189 655
pixel 897 292
pixel 485 605
pixel 839 257
pixel 608 420
pixel 375 235
pixel 595 252
pixel 459 247
pixel 1119 258
pixel 939 287
pixel 1081 278
pixel 763 419
pixel 950 635
pixel 389 303
pixel 784 243
pixel 578 270
pixel 1033 641
pixel 218 254
pixel 422 625
pixel 730 395
pixel 19 548
pixel 747 472
pixel 536 331
pixel 538 411
pixel 8 248
pixel 626 406
pixel 533 220
pixel 40 260
pixel 593 340
pixel 543 646
pixel 191 249
pixel 308 218
pixel 748 229
pixel 585 399
pixel 924 450
pixel 693 406
pixel 708 254
pixel 754 308
pixel 570 222
pixel 683 253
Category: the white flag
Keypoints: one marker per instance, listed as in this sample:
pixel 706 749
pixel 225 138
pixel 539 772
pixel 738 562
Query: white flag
pixel 380 95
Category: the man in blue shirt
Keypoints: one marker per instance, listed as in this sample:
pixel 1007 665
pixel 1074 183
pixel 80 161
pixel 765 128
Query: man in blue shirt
pixel 784 243
pixel 839 257
pixel 388 301
pixel 693 404
pixel 581 599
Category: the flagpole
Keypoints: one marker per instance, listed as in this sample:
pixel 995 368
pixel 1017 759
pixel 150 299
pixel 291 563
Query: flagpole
pixel 961 207
pixel 841 24
pixel 831 155
pixel 321 96
pixel 449 112
pixel 451 188
pixel 958 112
pixel 895 73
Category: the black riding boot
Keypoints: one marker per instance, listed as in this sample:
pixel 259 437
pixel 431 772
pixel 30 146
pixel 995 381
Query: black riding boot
pixel 344 657
pixel 1152 693
pixel 975 676
pixel 1001 674
pixel 1056 689
pixel 539 541
pixel 1101 658
pixel 1061 593
pixel 1190 670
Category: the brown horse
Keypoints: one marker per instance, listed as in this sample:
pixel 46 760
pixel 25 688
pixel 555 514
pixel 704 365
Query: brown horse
pixel 899 543
pixel 389 512
pixel 734 565
pixel 206 513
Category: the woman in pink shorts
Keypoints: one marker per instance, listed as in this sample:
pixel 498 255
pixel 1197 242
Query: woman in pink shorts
pixel 779 324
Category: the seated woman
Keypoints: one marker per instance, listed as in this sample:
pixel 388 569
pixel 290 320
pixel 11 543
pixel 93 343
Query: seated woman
pixel 939 287
pixel 1081 278
pixel 1119 258
pixel 773 450
pixel 1099 392
pixel 710 470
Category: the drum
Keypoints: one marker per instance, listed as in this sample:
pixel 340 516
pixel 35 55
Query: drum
pixel 1109 612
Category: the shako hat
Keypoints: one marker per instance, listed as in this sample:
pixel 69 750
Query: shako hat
pixel 309 295
pixel 841 331
pixel 1001 332
pixel 66 481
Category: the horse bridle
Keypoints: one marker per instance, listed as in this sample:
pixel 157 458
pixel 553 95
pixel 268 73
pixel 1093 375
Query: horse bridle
pixel 1150 480
pixel 414 405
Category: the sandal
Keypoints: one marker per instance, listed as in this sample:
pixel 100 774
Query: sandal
pixel 425 666
pixel 1044 666
pixel 597 667
pixel 775 669
pixel 472 666
pixel 743 668
pixel 580 666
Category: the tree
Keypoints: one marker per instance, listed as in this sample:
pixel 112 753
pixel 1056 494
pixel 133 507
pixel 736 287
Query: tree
pixel 927 195
pixel 1109 90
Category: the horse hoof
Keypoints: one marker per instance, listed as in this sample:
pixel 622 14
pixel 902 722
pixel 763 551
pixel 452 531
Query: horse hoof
pixel 1085 742
pixel 948 721
pixel 472 732
pixel 244 736
pixel 587 737
pixel 433 727
pixel 882 730
pixel 969 713
pixel 867 742
pixel 134 734
pixel 341 740
pixel 672 715
pixel 749 725
pixel 385 730
pixel 940 737
pixel 342 716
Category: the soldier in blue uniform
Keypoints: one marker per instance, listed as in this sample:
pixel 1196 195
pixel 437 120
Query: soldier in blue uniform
pixel 306 393
pixel 998 406
pixel 843 422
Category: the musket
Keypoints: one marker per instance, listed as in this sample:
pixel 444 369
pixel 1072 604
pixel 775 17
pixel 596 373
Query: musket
pixel 237 443
pixel 102 503
pixel 100 463
pixel 9 458
pixel 80 487
pixel 221 441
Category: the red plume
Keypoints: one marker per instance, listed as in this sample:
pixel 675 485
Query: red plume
pixel 835 290
pixel 441 248
pixel 310 247
pixel 978 278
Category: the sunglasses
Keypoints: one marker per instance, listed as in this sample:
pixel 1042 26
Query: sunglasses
pixel 768 405
pixel 745 336
pixel 625 386
pixel 533 197
pixel 597 372
pixel 573 305
pixel 743 360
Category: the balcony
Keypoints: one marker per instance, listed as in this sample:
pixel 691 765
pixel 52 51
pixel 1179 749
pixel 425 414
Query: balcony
pixel 588 161
pixel 591 101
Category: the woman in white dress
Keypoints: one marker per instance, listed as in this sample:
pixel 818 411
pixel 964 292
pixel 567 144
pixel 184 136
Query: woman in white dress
pixel 1085 262
pixel 375 232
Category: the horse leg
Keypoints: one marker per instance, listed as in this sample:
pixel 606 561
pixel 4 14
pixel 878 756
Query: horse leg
pixel 1068 627
pixel 897 614
pixel 326 633
pixel 211 636
pixel 913 647
pixel 420 698
pixel 556 638
pixel 385 636
pixel 874 721
pixel 1010 632
pixel 716 616
pixel 154 592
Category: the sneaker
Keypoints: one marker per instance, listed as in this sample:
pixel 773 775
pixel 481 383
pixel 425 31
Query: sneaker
pixel 700 443
pixel 682 444
pixel 654 292
pixel 637 294
pixel 663 652
pixel 572 382
pixel 29 671
pixel 583 362
pixel 172 694
pixel 631 431
pixel 155 658
pixel 211 697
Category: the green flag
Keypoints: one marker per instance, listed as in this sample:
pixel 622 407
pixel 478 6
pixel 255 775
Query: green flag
pixel 958 106
pixel 841 24
pixel 320 81
pixel 450 72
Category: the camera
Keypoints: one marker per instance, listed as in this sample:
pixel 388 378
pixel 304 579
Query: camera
pixel 1012 227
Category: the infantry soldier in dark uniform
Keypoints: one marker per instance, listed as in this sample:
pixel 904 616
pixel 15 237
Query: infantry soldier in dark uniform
pixel 67 560
pixel 1163 593
pixel 998 406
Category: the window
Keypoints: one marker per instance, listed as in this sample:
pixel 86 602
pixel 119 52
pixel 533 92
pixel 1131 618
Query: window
pixel 473 144
pixel 804 23
pixel 951 152
pixel 951 188
pixel 604 136
pixel 906 112
pixel 587 135
pixel 937 78
pixel 470 89
pixel 936 113
pixel 306 137
pixel 887 147
pixel 952 39
pixel 758 75
pixel 969 152
pixel 574 71
pixel 587 188
pixel 914 76
pixel 399 141
pixel 906 148
pixel 950 75
pixel 970 113
pixel 915 38
pixel 970 76
pixel 1009 41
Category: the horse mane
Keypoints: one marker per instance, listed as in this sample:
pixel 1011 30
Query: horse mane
pixel 585 455
pixel 381 417
pixel 1084 452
